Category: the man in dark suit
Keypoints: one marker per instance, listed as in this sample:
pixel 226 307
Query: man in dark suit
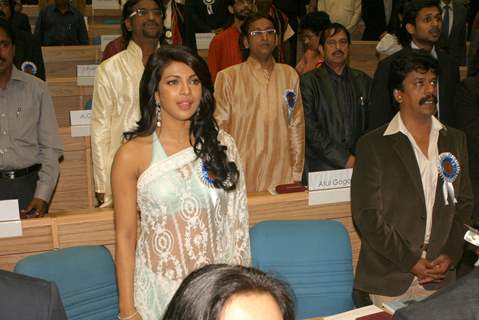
pixel 378 18
pixel 453 34
pixel 410 218
pixel 459 301
pixel 422 20
pixel 334 101
pixel 27 298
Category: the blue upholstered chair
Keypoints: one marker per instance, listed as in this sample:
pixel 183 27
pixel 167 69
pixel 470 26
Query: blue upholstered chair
pixel 85 277
pixel 314 257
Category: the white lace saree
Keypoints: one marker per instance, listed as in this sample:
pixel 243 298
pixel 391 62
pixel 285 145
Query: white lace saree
pixel 184 225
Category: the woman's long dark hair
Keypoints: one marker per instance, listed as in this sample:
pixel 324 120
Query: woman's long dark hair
pixel 203 129
pixel 203 293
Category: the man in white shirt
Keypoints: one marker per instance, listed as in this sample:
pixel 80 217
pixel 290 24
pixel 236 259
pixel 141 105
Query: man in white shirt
pixel 116 101
pixel 410 192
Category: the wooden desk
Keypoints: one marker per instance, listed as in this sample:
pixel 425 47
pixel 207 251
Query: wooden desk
pixel 83 227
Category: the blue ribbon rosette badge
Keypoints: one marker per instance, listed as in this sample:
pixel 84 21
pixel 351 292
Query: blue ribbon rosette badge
pixel 29 67
pixel 290 100
pixel 449 170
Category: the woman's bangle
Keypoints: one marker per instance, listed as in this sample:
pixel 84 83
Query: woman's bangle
pixel 127 317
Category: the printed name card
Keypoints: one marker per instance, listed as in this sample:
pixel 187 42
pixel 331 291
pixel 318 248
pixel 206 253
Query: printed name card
pixel 203 40
pixel 106 39
pixel 327 187
pixel 10 224
pixel 80 123
pixel 105 4
pixel 86 74
pixel 332 179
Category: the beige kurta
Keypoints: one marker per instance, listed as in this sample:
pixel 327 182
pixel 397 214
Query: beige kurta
pixel 252 108
pixel 116 109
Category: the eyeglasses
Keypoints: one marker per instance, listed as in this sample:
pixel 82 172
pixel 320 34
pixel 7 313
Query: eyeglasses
pixel 257 33
pixel 141 12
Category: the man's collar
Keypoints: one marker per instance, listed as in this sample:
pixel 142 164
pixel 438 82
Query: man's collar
pixel 331 71
pixel 433 51
pixel 255 64
pixel 69 9
pixel 451 5
pixel 17 74
pixel 397 125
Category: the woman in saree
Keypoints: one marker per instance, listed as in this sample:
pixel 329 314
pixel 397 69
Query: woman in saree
pixel 182 176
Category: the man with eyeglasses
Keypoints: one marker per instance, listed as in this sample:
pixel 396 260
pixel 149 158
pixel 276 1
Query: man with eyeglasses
pixel 61 24
pixel 116 106
pixel 259 103
pixel 422 25
pixel 334 100
pixel 224 50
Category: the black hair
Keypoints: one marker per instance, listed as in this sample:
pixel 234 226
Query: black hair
pixel 315 21
pixel 7 27
pixel 332 30
pixel 410 10
pixel 127 10
pixel 406 62
pixel 252 18
pixel 203 294
pixel 203 129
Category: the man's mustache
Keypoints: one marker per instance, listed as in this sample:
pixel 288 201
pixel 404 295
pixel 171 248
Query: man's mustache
pixel 428 98
pixel 338 51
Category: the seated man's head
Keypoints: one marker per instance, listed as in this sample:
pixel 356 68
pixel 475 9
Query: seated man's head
pixel 311 27
pixel 7 7
pixel 241 9
pixel 142 20
pixel 223 292
pixel 7 46
pixel 413 80
pixel 422 20
pixel 259 36
pixel 334 44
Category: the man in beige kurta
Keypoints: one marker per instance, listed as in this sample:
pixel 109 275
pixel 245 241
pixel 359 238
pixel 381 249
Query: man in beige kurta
pixel 116 105
pixel 258 102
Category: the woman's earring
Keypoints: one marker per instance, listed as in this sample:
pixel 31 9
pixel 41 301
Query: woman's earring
pixel 158 115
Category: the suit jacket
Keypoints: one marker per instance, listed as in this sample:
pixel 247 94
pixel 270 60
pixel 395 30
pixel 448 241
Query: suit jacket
pixel 455 43
pixel 373 14
pixel 327 147
pixel 27 298
pixel 459 301
pixel 382 109
pixel 389 211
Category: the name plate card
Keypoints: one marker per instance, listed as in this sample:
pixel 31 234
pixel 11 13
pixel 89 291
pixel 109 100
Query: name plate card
pixel 327 187
pixel 86 74
pixel 332 179
pixel 105 4
pixel 10 224
pixel 203 40
pixel 106 39
pixel 80 123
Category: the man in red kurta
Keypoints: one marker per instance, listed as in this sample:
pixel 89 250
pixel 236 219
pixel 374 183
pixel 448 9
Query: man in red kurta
pixel 224 50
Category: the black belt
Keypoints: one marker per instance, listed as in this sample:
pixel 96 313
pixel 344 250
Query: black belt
pixel 12 174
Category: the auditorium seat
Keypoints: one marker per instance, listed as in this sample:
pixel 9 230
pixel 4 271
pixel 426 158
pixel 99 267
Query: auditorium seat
pixel 313 256
pixel 85 277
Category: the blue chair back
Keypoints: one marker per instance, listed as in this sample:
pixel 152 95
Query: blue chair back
pixel 85 277
pixel 314 257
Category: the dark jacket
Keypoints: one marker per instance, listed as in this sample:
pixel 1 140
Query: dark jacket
pixel 327 147
pixel 382 109
pixel 373 14
pixel 459 301
pixel 389 211
pixel 26 298
pixel 27 50
pixel 455 44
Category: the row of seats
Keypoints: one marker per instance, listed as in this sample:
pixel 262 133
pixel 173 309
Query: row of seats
pixel 315 259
